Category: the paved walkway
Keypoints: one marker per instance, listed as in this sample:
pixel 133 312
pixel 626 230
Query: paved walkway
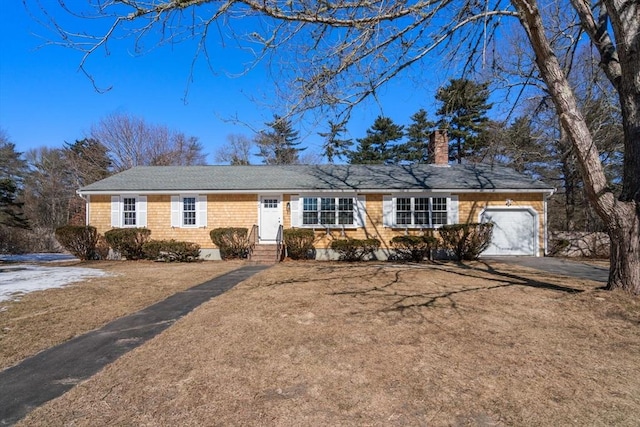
pixel 562 266
pixel 52 372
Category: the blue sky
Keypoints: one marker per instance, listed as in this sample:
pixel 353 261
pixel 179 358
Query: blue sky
pixel 45 100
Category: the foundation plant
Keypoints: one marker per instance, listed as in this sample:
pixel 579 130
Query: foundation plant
pixel 85 243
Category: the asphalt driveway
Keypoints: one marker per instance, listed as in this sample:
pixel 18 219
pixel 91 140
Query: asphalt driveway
pixel 52 372
pixel 563 266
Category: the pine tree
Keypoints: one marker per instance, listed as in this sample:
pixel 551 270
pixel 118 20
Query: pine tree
pixel 335 146
pixel 11 214
pixel 415 149
pixel 88 161
pixel 377 147
pixel 463 113
pixel 12 171
pixel 279 146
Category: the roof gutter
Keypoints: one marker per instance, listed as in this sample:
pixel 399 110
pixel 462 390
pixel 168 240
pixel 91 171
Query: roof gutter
pixel 546 191
pixel 86 199
pixel 546 226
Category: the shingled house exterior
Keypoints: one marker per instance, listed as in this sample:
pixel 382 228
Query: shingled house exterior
pixel 337 201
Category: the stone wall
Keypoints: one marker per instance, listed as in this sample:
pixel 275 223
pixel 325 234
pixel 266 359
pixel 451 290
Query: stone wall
pixel 579 244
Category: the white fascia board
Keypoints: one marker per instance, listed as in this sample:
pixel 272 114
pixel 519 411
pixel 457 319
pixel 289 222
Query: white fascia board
pixel 457 191
pixel 185 191
pixel 548 191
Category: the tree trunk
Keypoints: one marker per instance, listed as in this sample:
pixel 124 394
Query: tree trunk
pixel 621 217
pixel 624 271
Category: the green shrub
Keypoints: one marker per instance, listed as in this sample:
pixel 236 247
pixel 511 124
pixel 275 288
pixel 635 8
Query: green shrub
pixel 355 249
pixel 232 242
pixel 467 241
pixel 128 242
pixel 299 242
pixel 171 250
pixel 413 248
pixel 80 240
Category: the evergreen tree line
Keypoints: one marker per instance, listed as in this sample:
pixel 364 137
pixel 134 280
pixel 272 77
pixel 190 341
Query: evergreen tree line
pixel 462 112
pixel 531 143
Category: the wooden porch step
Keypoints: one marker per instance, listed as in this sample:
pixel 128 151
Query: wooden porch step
pixel 264 253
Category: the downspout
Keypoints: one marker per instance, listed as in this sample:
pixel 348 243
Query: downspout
pixel 546 237
pixel 86 199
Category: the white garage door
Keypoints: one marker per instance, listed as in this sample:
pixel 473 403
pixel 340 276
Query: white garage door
pixel 514 232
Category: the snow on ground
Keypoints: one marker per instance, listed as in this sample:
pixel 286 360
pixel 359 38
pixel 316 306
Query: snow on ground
pixel 45 257
pixel 18 279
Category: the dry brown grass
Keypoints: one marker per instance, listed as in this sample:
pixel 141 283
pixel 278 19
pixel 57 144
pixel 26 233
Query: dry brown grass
pixel 40 320
pixel 366 344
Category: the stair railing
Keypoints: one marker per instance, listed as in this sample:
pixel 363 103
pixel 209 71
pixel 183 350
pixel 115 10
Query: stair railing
pixel 280 243
pixel 252 240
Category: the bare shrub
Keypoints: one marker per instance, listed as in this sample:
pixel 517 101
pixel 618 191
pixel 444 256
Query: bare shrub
pixel 355 249
pixel 299 242
pixel 232 242
pixel 80 240
pixel 467 241
pixel 128 242
pixel 413 248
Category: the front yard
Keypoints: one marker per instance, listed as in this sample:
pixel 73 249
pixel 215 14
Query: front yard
pixel 315 343
pixel 40 320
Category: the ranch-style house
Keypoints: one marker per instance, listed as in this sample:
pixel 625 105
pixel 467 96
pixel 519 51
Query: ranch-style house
pixel 336 201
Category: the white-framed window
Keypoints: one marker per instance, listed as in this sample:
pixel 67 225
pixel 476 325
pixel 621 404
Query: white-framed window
pixel 328 210
pixel 189 210
pixel 129 211
pixel 420 210
pixel 270 203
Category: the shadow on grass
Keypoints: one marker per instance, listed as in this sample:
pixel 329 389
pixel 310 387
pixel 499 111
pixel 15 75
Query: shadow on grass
pixel 388 275
pixel 402 301
pixel 523 281
pixel 325 272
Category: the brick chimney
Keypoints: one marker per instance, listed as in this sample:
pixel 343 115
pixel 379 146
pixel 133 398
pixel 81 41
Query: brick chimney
pixel 439 148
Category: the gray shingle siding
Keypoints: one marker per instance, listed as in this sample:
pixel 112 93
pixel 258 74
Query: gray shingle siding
pixel 301 178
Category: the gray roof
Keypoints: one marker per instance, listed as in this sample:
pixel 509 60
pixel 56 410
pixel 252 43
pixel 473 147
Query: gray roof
pixel 299 178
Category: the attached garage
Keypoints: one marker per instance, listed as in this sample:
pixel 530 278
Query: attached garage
pixel 515 231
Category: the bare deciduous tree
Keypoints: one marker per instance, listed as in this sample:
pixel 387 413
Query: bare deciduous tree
pixel 131 141
pixel 49 188
pixel 237 151
pixel 345 51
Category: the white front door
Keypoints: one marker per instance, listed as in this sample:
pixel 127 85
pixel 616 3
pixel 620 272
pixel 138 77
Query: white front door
pixel 270 217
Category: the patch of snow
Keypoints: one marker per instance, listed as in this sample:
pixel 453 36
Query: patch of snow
pixel 18 279
pixel 45 257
